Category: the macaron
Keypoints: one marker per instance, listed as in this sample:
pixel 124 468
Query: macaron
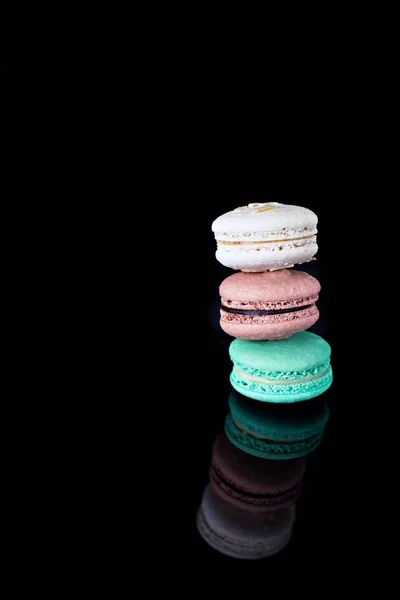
pixel 265 236
pixel 240 534
pixel 252 483
pixel 290 370
pixel 268 306
pixel 276 431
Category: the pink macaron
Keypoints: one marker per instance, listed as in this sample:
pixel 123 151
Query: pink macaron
pixel 268 306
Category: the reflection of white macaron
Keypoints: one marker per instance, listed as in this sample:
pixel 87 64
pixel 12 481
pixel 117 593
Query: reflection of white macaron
pixel 265 236
pixel 242 534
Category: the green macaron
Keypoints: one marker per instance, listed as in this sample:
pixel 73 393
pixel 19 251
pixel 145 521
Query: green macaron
pixel 275 431
pixel 289 370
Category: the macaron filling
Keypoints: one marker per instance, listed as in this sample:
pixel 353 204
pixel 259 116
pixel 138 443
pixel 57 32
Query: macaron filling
pixel 305 234
pixel 261 313
pixel 286 378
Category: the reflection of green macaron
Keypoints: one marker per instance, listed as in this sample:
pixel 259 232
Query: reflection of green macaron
pixel 290 370
pixel 275 431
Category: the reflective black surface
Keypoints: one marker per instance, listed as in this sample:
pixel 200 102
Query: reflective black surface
pixel 319 503
pixel 216 136
pixel 322 507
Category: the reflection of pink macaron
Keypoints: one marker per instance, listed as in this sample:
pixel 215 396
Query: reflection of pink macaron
pixel 270 305
pixel 252 483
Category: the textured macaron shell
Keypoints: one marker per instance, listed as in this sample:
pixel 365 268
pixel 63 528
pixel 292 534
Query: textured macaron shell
pixel 242 534
pixel 272 450
pixel 289 370
pixel 275 287
pixel 268 217
pixel 280 422
pixel 249 482
pixel 284 292
pixel 276 431
pixel 265 236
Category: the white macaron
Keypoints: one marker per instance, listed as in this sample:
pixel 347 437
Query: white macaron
pixel 265 236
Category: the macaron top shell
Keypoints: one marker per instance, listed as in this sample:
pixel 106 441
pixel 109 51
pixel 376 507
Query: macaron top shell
pixel 301 352
pixel 264 217
pixel 274 286
pixel 251 474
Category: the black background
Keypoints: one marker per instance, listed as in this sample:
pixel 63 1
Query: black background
pixel 220 131
pixel 178 131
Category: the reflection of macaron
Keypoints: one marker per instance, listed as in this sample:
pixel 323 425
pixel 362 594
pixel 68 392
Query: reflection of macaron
pixel 290 370
pixel 268 306
pixel 252 483
pixel 240 534
pixel 265 236
pixel 275 431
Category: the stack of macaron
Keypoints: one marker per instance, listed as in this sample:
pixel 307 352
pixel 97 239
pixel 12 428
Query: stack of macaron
pixel 276 416
pixel 268 307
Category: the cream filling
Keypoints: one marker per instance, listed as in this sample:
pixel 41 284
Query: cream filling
pixel 248 377
pixel 242 243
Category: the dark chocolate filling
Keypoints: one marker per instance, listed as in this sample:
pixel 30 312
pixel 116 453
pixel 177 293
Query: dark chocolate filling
pixel 260 313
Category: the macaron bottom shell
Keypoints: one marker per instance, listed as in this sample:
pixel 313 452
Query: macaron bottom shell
pixel 278 330
pixel 271 450
pixel 288 392
pixel 264 257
